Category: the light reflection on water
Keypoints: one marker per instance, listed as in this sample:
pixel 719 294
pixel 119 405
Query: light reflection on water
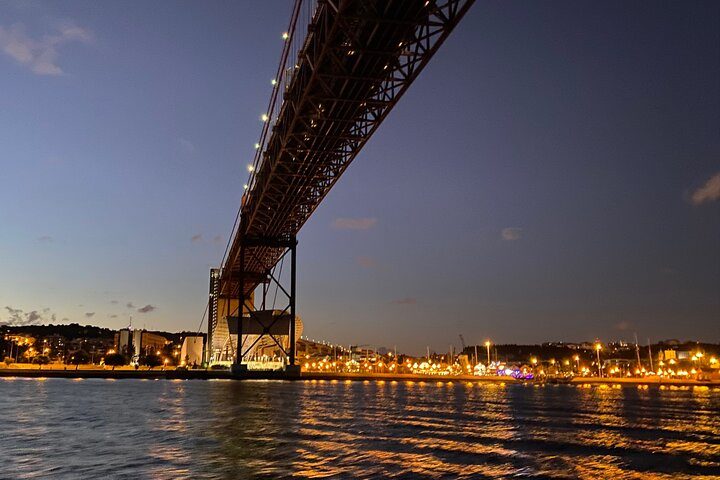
pixel 266 429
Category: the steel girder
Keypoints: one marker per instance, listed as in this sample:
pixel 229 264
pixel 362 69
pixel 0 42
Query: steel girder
pixel 358 59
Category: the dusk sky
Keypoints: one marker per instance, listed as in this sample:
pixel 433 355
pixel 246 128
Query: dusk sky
pixel 553 174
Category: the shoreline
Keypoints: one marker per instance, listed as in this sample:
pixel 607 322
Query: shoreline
pixel 172 374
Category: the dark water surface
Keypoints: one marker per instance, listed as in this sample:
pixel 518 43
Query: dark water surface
pixel 58 428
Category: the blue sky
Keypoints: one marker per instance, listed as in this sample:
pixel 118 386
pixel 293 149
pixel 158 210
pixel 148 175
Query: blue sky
pixel 554 174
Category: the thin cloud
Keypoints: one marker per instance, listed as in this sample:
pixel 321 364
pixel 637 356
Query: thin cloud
pixel 73 32
pixel 90 314
pixel 217 239
pixel 19 317
pixel 405 301
pixel 366 262
pixel 147 309
pixel 113 316
pixel 129 305
pixel 196 238
pixel 54 161
pixel 39 55
pixel 13 311
pixel 623 326
pixel 511 234
pixel 354 223
pixel 708 192
pixel 114 302
pixel 45 239
pixel 186 145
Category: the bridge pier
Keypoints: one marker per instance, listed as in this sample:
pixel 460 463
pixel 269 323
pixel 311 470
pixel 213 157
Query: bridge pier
pixel 253 322
pixel 247 245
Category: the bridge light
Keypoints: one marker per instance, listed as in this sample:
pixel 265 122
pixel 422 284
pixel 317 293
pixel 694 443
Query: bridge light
pixel 285 35
pixel 251 168
pixel 273 82
pixel 264 117
pixel 257 145
pixel 245 187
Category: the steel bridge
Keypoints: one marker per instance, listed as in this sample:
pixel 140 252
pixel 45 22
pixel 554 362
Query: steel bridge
pixel 344 66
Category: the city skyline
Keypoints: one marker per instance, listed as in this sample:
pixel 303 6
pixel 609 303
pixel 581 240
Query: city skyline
pixel 561 183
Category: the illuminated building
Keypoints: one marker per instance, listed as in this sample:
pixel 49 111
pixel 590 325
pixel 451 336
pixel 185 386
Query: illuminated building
pixel 134 342
pixel 191 352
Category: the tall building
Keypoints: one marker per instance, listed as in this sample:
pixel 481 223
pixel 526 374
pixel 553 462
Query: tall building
pixel 136 342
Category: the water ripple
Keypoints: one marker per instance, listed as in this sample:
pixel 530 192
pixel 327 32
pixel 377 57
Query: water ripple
pixel 57 428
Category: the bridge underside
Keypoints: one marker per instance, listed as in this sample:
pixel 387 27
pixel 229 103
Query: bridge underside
pixel 356 60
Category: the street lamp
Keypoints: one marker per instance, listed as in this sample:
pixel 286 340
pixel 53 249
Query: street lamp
pixel 577 360
pixel 487 346
pixel 598 347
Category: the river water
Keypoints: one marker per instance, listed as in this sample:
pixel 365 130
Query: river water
pixel 59 428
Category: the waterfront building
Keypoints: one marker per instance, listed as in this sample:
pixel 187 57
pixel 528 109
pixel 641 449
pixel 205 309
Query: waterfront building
pixel 311 348
pixel 191 352
pixel 135 342
pixel 673 354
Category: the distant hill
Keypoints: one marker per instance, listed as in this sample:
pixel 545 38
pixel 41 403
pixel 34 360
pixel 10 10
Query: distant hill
pixel 75 330
pixel 70 330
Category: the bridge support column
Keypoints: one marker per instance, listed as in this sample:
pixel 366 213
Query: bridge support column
pixel 212 313
pixel 293 317
pixel 267 321
pixel 241 308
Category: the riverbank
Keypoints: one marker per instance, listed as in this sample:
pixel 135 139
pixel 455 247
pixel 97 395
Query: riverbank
pixel 175 374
